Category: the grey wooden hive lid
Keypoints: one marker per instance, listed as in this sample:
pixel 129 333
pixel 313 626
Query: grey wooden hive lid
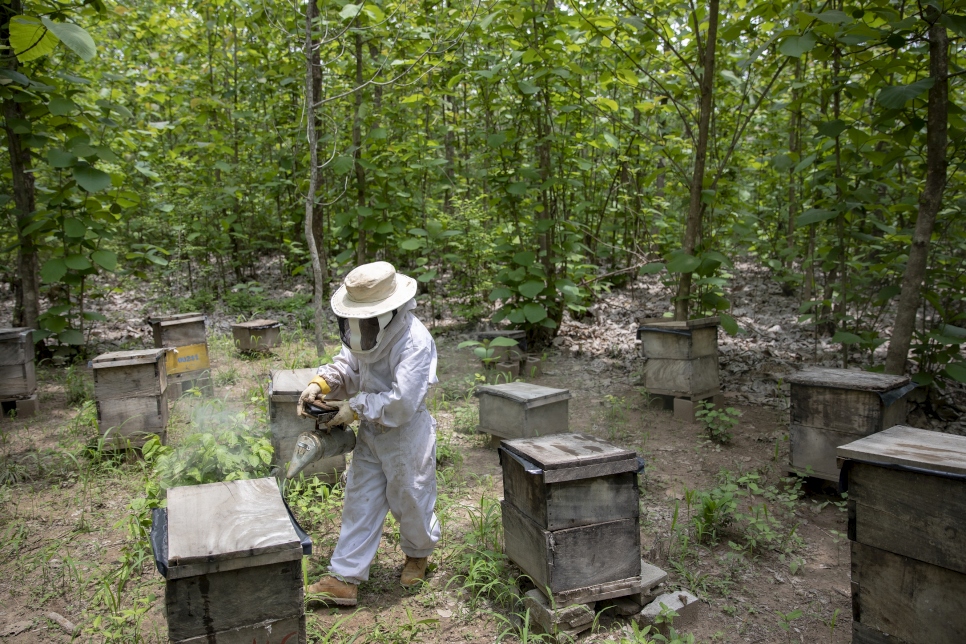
pixel 910 447
pixel 847 379
pixel 127 358
pixel 524 392
pixel 258 324
pixel 564 451
pixel 176 317
pixel 667 323
pixel 230 520
pixel 15 333
pixel 291 382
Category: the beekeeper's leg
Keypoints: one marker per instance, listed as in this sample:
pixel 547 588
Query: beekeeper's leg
pixel 363 514
pixel 411 472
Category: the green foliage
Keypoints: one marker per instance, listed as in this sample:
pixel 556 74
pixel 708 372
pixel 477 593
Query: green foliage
pixel 78 385
pixel 718 423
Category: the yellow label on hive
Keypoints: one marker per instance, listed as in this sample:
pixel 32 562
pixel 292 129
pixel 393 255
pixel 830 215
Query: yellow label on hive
pixel 193 357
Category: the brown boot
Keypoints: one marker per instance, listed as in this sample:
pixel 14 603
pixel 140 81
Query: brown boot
pixel 413 571
pixel 332 591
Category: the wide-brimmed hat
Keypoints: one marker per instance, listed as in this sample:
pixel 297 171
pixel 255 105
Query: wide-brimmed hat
pixel 372 289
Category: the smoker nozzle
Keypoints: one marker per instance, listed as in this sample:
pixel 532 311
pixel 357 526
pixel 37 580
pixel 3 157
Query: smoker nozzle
pixel 315 445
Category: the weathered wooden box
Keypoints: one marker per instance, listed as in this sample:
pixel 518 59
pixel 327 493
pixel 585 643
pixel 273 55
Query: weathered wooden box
pixel 130 388
pixel 188 365
pixel 571 516
pixel 234 566
pixel 682 357
pixel 831 407
pixel 907 521
pixel 256 336
pixel 523 410
pixel 283 396
pixel 17 377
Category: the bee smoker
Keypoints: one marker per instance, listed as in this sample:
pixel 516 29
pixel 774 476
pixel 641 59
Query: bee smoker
pixel 322 442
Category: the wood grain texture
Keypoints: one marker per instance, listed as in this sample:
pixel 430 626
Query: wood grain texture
pixel 16 346
pixel 179 333
pixel 130 380
pixel 214 567
pixel 18 380
pixel 526 545
pixel 683 324
pixel 676 346
pixel 207 604
pixel 910 514
pixel 814 447
pixel 598 592
pixel 120 358
pixel 568 450
pixel 845 410
pixel 290 630
pixel 862 634
pixel 847 379
pixel 290 382
pixel 256 338
pixel 526 393
pixel 905 598
pixel 127 417
pixel 912 447
pixel 697 377
pixel 513 419
pixel 226 521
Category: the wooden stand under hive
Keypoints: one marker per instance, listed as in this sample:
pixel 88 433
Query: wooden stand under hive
pixel 831 407
pixel 283 397
pixel 233 565
pixel 257 336
pixel 18 381
pixel 132 400
pixel 522 410
pixel 188 366
pixel 571 517
pixel 682 363
pixel 907 518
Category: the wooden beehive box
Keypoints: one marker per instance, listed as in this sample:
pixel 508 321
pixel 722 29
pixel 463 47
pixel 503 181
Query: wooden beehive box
pixel 831 407
pixel 283 397
pixel 188 365
pixel 571 516
pixel 256 336
pixel 907 521
pixel 18 380
pixel 130 388
pixel 523 410
pixel 234 568
pixel 682 357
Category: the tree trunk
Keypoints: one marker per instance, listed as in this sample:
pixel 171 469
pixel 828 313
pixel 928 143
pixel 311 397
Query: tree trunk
pixel 357 154
pixel 313 83
pixel 695 206
pixel 794 149
pixel 929 201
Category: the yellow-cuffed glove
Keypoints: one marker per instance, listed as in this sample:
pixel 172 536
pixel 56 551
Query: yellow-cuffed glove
pixel 345 415
pixel 316 389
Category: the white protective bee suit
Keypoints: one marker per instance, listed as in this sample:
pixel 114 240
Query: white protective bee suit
pixel 394 463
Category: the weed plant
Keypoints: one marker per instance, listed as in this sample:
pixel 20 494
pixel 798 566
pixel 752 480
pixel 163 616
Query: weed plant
pixel 718 423
pixel 77 385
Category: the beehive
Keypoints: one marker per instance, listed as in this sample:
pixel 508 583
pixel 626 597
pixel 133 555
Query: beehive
pixel 523 410
pixel 283 397
pixel 130 388
pixel 188 366
pixel 234 566
pixel 571 516
pixel 907 518
pixel 831 407
pixel 18 381
pixel 256 336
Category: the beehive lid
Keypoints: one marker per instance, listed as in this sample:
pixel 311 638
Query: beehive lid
pixel 192 319
pixel 847 379
pixel 562 451
pixel 660 324
pixel 16 333
pixel 910 447
pixel 524 392
pixel 290 382
pixel 258 324
pixel 127 358
pixel 231 520
pixel 175 317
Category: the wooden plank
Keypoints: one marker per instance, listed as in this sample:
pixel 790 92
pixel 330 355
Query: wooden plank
pixel 527 492
pixel 226 521
pixel 121 358
pixel 847 379
pixel 258 324
pixel 906 598
pixel 657 343
pixel 568 450
pixel 911 514
pixel 862 634
pixel 526 544
pixel 205 604
pixel 590 471
pixel 845 410
pixel 248 338
pixel 290 630
pixel 16 346
pixel 682 378
pixel 181 333
pixel 911 447
pixel 595 554
pixel 128 416
pixel 814 447
pixel 598 592
pixel 592 500
pixel 526 393
pixel 686 324
pixel 224 565
pixel 130 381
pixel 291 382
pixel 18 380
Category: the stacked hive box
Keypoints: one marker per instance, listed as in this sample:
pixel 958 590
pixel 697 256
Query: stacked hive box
pixel 522 410
pixel 131 392
pixel 18 382
pixel 907 518
pixel 571 516
pixel 257 336
pixel 283 397
pixel 831 407
pixel 234 566
pixel 188 365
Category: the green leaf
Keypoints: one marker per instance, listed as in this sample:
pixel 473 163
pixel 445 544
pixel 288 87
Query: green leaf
pixel 531 289
pixel 956 371
pixel 468 343
pixel 653 267
pixel 813 216
pixel 70 336
pixel 30 39
pixel 411 244
pixel 796 46
pixel 93 315
pixel 526 258
pixel 53 270
pixel 76 38
pixel 846 338
pixel 519 188
pixel 534 312
pixel 681 262
pixel 60 159
pixel 341 165
pixel 60 106
pixel 78 262
pixel 501 341
pixel 91 179
pixel 350 11
pixel 74 227
pixel 105 259
pixel 528 88
pixel 832 129
pixel 427 276
pixel 500 293
pixel 893 98
pixel 729 324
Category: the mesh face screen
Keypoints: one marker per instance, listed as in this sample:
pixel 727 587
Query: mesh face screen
pixel 363 335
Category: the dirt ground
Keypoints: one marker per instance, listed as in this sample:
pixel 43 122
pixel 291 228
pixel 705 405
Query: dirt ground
pixel 66 524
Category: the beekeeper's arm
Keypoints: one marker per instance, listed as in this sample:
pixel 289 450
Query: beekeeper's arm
pixel 414 365
pixel 340 379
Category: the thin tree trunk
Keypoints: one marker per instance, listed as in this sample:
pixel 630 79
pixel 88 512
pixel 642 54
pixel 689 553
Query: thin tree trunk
pixel 357 154
pixel 929 201
pixel 313 73
pixel 794 149
pixel 695 207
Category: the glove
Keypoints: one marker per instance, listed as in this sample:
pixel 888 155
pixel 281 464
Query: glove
pixel 318 388
pixel 345 415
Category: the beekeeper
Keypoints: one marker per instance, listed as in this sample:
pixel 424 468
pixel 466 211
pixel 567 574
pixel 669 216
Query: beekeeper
pixel 381 378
